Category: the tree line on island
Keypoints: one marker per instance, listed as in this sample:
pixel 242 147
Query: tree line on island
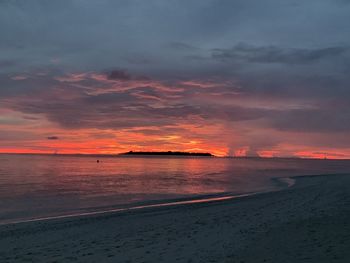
pixel 171 153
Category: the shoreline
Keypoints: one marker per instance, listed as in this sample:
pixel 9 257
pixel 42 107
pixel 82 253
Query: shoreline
pixel 288 181
pixel 154 204
pixel 308 222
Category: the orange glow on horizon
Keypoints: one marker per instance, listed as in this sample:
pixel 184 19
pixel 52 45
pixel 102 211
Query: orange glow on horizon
pixel 95 148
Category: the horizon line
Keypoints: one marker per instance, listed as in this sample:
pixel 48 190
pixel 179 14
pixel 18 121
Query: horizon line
pixel 125 155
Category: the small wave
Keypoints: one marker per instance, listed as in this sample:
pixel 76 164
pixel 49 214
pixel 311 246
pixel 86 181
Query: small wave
pixel 287 180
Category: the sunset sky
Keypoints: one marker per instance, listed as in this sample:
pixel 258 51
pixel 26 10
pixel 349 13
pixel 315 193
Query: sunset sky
pixel 232 77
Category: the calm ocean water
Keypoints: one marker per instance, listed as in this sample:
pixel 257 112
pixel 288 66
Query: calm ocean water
pixel 34 186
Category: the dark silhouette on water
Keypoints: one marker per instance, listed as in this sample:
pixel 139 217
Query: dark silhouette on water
pixel 170 153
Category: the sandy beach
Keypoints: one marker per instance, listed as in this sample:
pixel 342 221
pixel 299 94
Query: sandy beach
pixel 308 222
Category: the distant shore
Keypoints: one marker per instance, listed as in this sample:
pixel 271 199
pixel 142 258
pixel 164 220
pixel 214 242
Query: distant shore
pixel 169 153
pixel 125 155
pixel 308 222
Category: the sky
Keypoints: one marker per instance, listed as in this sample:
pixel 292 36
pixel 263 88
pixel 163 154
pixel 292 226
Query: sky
pixel 231 77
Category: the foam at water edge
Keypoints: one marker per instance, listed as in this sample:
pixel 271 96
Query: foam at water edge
pixel 287 180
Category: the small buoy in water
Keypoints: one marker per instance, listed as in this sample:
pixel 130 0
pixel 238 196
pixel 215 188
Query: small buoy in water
pixel 98 161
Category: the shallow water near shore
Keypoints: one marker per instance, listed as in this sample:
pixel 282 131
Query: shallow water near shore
pixel 37 186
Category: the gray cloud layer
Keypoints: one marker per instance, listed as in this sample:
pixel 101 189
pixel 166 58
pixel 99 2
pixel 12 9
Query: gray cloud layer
pixel 272 54
pixel 283 65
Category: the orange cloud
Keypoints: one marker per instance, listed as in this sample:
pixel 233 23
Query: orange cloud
pixel 96 113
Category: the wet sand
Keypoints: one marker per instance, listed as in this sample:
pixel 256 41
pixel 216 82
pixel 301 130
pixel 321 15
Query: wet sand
pixel 308 222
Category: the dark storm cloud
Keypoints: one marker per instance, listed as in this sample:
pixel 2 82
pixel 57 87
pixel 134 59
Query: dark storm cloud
pixel 124 75
pixel 273 54
pixel 52 137
pixel 119 75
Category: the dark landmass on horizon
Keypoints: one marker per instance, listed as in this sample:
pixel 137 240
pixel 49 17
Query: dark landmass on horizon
pixel 169 153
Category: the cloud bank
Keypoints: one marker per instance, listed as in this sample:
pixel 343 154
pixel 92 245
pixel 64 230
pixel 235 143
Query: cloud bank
pixel 232 77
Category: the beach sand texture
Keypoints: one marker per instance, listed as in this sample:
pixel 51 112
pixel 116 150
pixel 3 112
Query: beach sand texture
pixel 309 222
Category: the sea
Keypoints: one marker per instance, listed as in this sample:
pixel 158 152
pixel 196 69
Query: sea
pixel 35 187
